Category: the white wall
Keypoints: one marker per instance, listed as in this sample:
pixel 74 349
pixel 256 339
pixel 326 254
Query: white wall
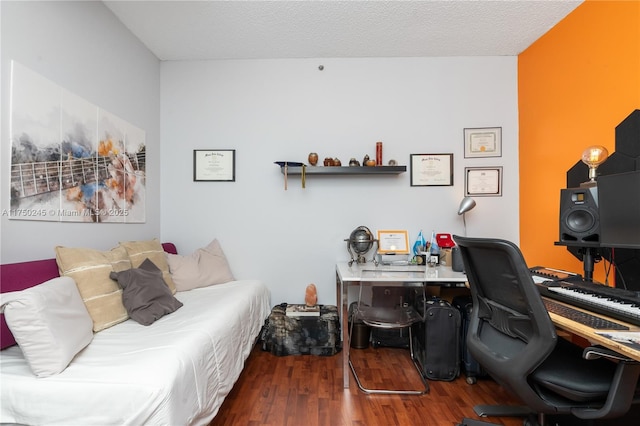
pixel 270 110
pixel 82 47
pixel 267 110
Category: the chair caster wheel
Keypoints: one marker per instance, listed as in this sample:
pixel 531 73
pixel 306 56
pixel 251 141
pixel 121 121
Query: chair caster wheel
pixel 471 380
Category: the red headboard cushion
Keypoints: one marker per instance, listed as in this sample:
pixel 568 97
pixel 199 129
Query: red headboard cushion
pixel 170 248
pixel 18 276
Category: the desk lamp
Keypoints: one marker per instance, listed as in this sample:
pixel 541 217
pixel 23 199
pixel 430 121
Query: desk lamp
pixel 593 156
pixel 466 204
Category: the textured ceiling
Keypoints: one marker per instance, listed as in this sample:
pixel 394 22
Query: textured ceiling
pixel 196 30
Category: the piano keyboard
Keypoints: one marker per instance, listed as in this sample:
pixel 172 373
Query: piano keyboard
pixel 613 302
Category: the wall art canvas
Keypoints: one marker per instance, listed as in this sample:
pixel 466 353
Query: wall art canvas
pixel 71 161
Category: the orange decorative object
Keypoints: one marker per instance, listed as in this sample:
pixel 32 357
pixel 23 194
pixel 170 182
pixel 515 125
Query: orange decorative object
pixel 311 295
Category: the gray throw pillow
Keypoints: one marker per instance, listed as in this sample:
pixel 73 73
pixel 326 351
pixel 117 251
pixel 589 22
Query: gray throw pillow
pixel 145 295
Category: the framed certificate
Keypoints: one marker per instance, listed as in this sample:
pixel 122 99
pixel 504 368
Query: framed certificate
pixel 483 142
pixel 393 241
pixel 217 165
pixel 483 181
pixel 431 169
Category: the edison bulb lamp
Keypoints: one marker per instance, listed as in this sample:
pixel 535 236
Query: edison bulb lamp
pixel 593 156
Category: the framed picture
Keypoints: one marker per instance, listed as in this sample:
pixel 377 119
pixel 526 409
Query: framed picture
pixel 217 165
pixel 483 142
pixel 393 241
pixel 431 169
pixel 483 181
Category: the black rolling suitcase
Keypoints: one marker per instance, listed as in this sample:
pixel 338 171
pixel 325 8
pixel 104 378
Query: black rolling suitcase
pixel 472 370
pixel 436 340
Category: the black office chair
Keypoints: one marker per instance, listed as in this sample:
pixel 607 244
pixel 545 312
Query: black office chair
pixel 512 336
pixel 400 316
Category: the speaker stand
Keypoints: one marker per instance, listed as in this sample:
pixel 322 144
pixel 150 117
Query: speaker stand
pixel 589 257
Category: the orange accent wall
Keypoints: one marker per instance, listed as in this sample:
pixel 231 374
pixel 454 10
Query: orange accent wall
pixel 575 85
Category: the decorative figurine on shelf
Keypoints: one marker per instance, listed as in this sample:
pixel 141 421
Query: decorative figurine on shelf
pixel 313 158
pixel 311 295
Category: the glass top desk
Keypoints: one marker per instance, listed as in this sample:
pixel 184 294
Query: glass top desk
pixel 386 275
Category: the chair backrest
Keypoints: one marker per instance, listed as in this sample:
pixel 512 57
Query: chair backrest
pixel 510 331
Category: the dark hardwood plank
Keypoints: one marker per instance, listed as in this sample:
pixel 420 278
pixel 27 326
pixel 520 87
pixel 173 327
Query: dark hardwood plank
pixel 307 390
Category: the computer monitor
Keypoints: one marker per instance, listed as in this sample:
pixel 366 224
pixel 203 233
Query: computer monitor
pixel 619 210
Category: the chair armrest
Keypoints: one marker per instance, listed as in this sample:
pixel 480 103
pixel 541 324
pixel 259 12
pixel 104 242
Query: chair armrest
pixel 595 352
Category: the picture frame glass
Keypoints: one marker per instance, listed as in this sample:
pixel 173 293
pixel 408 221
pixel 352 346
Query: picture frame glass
pixel 483 181
pixel 431 169
pixel 214 165
pixel 483 142
pixel 393 241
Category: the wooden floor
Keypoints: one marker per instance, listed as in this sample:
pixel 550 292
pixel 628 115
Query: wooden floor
pixel 307 390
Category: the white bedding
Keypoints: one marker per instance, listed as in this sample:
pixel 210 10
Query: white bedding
pixel 176 371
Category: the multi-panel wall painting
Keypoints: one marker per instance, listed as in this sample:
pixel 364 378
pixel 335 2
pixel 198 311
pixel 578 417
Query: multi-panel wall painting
pixel 71 161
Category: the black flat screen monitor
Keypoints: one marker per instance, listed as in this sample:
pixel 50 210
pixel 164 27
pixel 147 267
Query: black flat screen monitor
pixel 619 210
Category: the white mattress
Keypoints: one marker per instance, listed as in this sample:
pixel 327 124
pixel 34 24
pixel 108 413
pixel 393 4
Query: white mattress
pixel 175 372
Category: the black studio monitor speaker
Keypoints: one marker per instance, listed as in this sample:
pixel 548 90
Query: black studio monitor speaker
pixel 579 218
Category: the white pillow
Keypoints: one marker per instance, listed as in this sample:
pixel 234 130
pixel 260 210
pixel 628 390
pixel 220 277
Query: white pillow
pixel 50 324
pixel 204 267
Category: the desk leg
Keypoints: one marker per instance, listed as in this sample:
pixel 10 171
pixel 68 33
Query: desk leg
pixel 343 299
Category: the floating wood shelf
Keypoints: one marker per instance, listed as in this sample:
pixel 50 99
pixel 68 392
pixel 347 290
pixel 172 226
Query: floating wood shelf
pixel 347 170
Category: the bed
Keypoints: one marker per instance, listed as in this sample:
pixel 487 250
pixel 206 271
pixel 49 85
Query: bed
pixel 175 372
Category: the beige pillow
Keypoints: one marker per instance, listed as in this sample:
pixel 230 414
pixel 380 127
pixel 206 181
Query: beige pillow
pixel 90 269
pixel 205 267
pixel 152 250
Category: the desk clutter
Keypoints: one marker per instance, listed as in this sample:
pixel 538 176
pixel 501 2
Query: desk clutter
pixel 393 248
pixel 284 334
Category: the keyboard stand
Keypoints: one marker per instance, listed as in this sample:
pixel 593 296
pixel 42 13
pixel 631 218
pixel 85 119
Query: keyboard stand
pixel 592 336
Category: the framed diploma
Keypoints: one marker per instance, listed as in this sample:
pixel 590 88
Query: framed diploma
pixel 483 181
pixel 217 165
pixel 483 142
pixel 431 169
pixel 393 241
